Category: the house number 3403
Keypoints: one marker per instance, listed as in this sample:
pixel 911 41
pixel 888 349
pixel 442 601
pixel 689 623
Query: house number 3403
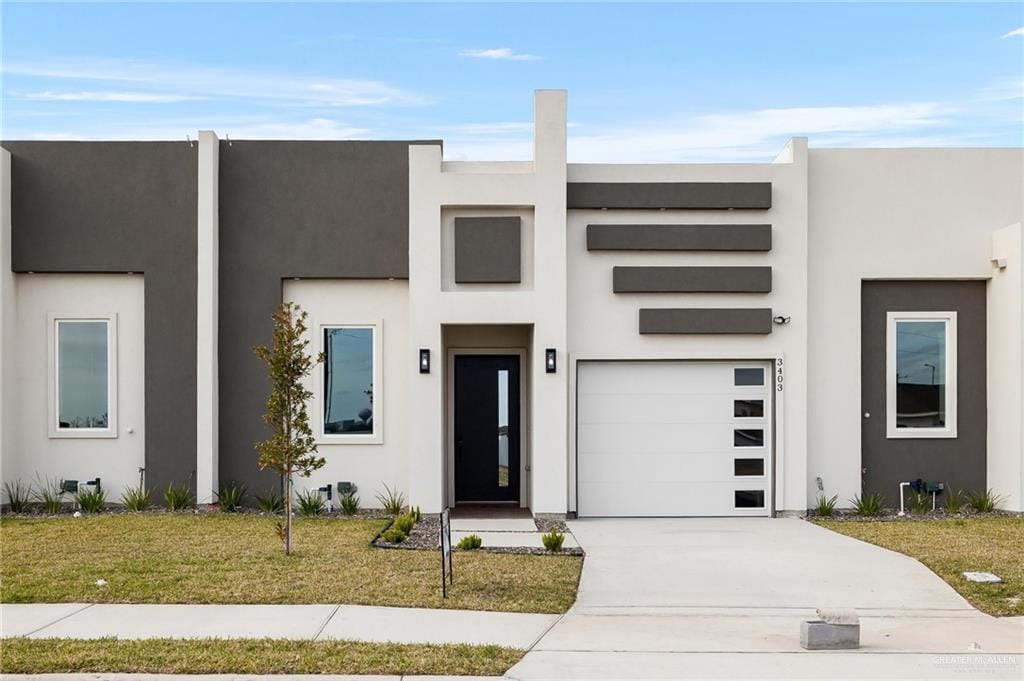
pixel 779 378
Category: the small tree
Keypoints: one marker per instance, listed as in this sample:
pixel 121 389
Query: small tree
pixel 291 449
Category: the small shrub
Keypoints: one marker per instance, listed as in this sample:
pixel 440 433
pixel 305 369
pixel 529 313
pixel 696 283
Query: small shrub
pixel 404 523
pixel 177 498
pixel 868 505
pixel 230 497
pixel 553 540
pixel 416 514
pixel 50 495
pixel 271 502
pixel 311 503
pixel 349 503
pixel 18 496
pixel 984 502
pixel 470 542
pixel 920 502
pixel 136 498
pixel 825 507
pixel 393 535
pixel 91 499
pixel 392 501
pixel 954 501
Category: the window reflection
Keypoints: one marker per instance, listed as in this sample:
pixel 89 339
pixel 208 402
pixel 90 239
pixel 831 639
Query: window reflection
pixel 348 380
pixel 920 374
pixel 82 374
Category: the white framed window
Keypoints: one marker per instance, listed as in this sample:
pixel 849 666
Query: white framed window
pixel 350 389
pixel 921 375
pixel 82 395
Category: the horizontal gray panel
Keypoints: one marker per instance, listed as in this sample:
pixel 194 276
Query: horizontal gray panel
pixel 488 250
pixel 692 279
pixel 679 237
pixel 689 195
pixel 706 320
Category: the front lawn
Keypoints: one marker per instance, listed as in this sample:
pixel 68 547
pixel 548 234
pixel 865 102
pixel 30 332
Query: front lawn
pixel 951 547
pixel 250 656
pixel 227 558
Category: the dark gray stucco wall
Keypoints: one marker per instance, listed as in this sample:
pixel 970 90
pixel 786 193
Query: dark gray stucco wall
pixel 706 320
pixel 679 237
pixel 959 462
pixel 295 209
pixel 685 195
pixel 488 250
pixel 124 207
pixel 690 279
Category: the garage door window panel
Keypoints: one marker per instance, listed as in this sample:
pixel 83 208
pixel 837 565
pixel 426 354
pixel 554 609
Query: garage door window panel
pixel 748 437
pixel 749 498
pixel 748 409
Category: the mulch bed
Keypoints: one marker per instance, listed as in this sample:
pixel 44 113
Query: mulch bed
pixel 425 536
pixel 890 515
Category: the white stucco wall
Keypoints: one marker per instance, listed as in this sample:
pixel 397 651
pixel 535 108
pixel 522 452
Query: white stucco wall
pixel 116 460
pixel 888 214
pixel 604 325
pixel 8 325
pixel 1006 368
pixel 351 301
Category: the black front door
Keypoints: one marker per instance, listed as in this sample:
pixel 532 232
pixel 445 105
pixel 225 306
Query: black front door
pixel 486 428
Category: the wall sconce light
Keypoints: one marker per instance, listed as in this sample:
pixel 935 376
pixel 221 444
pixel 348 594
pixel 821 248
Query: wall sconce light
pixel 549 361
pixel 781 320
pixel 424 361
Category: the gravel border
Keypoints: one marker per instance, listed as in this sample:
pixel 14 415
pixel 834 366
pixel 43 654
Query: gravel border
pixel 890 516
pixel 425 536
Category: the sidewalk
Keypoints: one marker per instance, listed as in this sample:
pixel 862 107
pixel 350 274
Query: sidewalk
pixel 302 622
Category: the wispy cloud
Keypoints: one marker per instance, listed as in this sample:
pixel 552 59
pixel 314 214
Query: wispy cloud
pixel 104 96
pixel 205 82
pixel 1015 32
pixel 503 53
pixel 237 128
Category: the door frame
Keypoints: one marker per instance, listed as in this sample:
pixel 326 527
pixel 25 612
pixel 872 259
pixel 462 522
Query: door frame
pixel 524 418
pixel 776 363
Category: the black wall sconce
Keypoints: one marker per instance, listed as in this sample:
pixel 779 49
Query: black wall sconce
pixel 550 365
pixel 424 361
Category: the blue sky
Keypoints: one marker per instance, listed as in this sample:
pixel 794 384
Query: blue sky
pixel 662 82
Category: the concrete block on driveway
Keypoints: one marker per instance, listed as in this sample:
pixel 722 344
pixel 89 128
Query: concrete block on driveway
pixel 818 635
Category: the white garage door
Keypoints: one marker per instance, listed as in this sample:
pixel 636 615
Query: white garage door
pixel 674 439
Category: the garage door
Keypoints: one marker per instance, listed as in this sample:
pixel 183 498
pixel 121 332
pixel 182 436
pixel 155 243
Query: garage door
pixel 674 439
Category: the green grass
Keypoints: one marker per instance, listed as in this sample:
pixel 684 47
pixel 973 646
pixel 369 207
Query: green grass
pixel 250 656
pixel 226 558
pixel 951 547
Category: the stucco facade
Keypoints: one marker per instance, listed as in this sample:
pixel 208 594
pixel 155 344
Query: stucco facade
pixel 572 274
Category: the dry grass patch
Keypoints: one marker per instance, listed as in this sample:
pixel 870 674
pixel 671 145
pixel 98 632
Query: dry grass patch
pixel 951 547
pixel 225 558
pixel 250 656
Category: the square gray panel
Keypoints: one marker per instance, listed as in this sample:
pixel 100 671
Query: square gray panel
pixel 488 250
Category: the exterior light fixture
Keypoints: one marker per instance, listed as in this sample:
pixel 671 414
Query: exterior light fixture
pixel 550 365
pixel 424 361
pixel 781 320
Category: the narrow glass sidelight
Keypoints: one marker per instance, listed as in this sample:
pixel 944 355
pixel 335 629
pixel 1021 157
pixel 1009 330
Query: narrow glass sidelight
pixel 503 434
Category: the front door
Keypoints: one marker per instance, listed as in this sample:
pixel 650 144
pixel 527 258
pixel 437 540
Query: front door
pixel 486 428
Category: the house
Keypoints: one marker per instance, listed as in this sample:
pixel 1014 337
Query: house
pixel 591 339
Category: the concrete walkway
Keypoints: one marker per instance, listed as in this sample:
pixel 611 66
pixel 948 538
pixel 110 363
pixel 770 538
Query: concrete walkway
pixel 723 598
pixel 309 622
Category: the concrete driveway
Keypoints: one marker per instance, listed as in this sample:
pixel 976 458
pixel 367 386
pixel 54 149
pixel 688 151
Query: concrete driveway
pixel 680 598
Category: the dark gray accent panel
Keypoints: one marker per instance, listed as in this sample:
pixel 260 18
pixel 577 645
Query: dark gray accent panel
pixel 679 237
pixel 692 279
pixel 689 195
pixel 488 250
pixel 124 207
pixel 706 320
pixel 295 209
pixel 959 462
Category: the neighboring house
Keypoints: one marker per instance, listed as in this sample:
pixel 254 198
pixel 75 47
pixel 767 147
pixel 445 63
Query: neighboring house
pixel 600 339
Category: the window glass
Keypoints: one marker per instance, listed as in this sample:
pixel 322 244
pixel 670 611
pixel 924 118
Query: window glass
pixel 921 374
pixel 750 376
pixel 503 428
pixel 745 409
pixel 82 376
pixel 348 381
pixel 752 437
pixel 749 498
pixel 743 467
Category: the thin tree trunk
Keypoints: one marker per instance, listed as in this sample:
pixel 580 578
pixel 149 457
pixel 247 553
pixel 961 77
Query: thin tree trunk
pixel 288 517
